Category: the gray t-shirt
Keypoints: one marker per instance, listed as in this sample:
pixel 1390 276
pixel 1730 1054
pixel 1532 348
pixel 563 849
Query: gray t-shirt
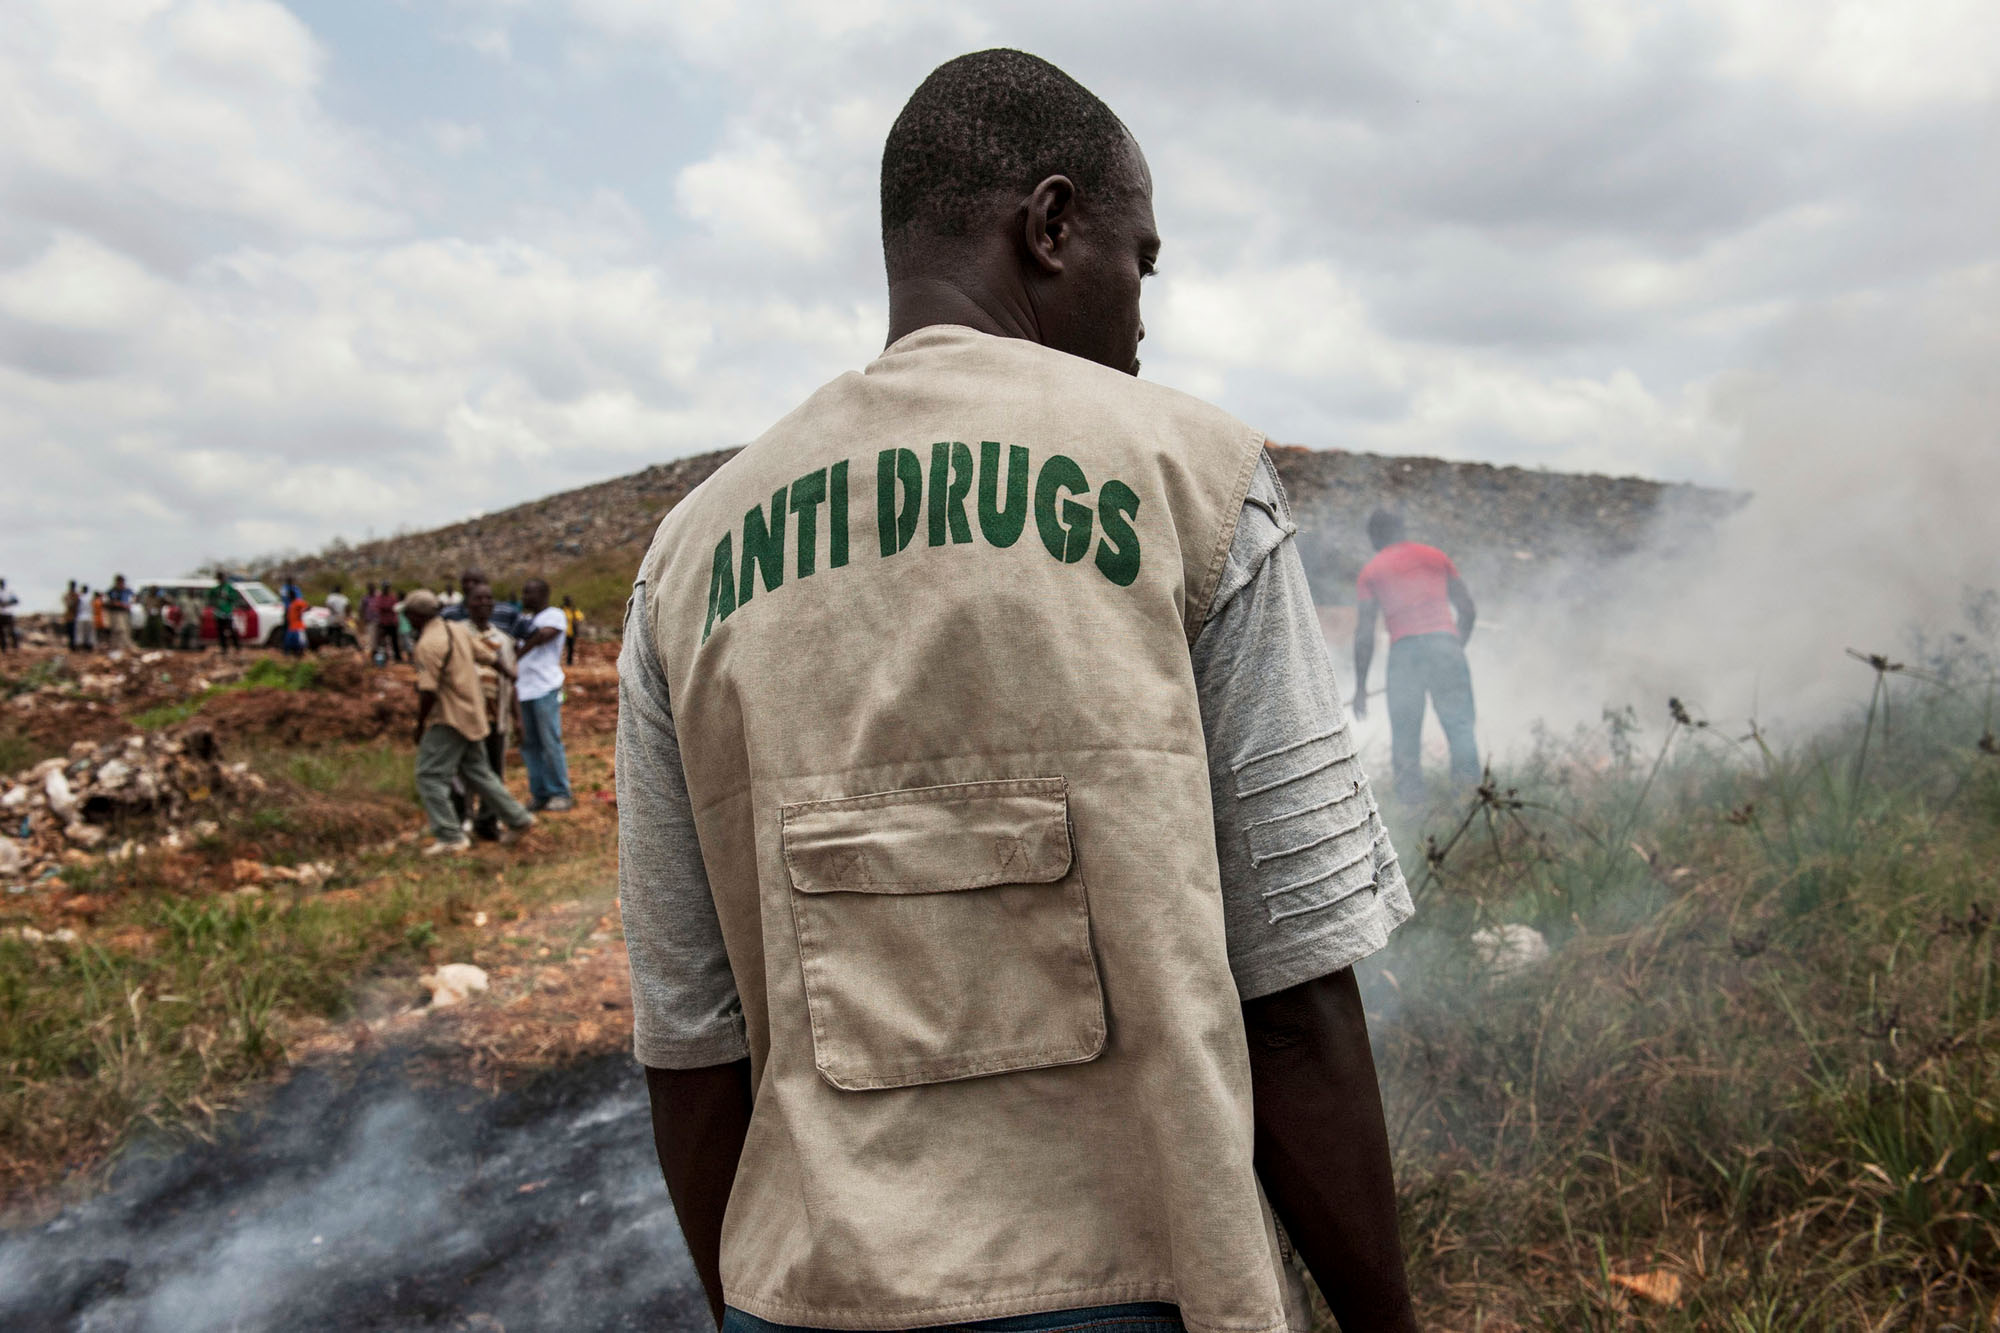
pixel 1310 884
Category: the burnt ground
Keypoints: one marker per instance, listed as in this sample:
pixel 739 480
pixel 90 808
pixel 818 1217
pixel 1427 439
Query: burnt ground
pixel 361 1198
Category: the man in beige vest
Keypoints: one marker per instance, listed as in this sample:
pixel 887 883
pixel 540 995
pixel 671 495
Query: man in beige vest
pixel 993 852
pixel 452 727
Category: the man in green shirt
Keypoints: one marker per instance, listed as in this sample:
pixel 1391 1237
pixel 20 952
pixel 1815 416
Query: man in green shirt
pixel 224 600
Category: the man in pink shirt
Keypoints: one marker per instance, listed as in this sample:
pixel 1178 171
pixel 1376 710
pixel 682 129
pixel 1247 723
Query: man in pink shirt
pixel 1417 590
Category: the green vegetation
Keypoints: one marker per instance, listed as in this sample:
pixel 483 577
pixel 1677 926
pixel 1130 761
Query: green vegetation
pixel 178 995
pixel 18 751
pixel 1761 1069
pixel 600 584
pixel 266 673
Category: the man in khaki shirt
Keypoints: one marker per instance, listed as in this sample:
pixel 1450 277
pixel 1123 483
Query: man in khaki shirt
pixel 448 659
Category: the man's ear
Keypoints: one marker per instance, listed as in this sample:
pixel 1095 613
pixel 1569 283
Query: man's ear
pixel 1046 223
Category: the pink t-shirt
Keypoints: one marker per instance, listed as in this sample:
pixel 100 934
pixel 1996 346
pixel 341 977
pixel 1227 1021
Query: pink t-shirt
pixel 1409 581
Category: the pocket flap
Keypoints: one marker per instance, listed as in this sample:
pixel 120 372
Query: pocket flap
pixel 969 835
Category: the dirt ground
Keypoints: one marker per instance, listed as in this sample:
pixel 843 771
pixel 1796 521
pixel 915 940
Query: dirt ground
pixel 540 918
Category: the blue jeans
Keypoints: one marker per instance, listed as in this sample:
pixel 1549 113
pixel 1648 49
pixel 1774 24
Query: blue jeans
pixel 1142 1317
pixel 542 748
pixel 1430 666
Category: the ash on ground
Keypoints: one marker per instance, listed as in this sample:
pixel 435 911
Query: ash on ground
pixel 361 1201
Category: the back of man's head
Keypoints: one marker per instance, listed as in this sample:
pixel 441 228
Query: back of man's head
pixel 990 125
pixel 1385 528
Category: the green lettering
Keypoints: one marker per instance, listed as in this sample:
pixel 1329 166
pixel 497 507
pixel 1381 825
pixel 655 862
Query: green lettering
pixel 1118 553
pixel 1067 536
pixel 951 479
pixel 895 524
pixel 1002 527
pixel 763 547
pixel 808 493
pixel 836 539
pixel 721 587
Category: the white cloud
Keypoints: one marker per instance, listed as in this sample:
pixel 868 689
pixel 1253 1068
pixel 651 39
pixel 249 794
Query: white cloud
pixel 79 284
pixel 453 138
pixel 1535 231
pixel 1867 52
pixel 205 108
pixel 754 197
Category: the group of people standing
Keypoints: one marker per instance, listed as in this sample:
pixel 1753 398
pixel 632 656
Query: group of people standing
pixel 98 619
pixel 486 670
pixel 119 618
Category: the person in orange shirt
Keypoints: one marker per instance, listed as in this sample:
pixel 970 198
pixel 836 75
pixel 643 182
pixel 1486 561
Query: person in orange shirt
pixel 295 626
pixel 1416 589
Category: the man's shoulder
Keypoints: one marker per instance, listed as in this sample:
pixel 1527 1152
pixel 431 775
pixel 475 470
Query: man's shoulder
pixel 1428 555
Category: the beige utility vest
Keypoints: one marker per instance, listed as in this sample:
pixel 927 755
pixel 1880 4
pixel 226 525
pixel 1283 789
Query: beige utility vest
pixel 927 647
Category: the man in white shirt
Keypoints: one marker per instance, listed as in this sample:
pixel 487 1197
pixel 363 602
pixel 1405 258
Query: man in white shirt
pixel 539 689
pixel 337 605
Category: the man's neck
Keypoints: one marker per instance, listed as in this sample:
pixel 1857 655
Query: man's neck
pixel 921 302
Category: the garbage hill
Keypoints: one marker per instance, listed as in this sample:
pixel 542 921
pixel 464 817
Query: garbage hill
pixel 1512 530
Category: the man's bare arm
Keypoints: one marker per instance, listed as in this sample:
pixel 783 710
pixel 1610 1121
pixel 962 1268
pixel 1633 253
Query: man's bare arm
pixel 700 1117
pixel 1323 1148
pixel 539 637
pixel 1461 602
pixel 1364 653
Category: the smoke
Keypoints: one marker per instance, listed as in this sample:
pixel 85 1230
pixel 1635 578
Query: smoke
pixel 378 1205
pixel 1869 443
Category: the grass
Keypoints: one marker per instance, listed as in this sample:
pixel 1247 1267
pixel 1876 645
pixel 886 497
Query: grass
pixel 177 997
pixel 1764 1057
pixel 266 673
pixel 19 751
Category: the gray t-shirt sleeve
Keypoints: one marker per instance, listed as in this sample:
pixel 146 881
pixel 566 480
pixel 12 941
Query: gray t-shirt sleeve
pixel 1310 884
pixel 685 1009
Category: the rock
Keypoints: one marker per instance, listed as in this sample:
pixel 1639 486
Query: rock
pixel 451 983
pixel 62 801
pixel 114 775
pixel 1511 949
pixel 11 859
pixel 84 835
pixel 311 875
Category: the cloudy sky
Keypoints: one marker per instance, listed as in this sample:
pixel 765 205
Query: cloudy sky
pixel 275 272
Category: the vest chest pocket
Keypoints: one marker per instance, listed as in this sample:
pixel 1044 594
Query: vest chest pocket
pixel 943 933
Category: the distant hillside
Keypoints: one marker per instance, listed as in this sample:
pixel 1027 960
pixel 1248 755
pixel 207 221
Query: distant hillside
pixel 1510 529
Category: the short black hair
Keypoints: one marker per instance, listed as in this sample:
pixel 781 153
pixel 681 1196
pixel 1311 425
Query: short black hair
pixel 993 122
pixel 1385 528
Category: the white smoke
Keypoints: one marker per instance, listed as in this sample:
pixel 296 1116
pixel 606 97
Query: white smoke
pixel 378 1206
pixel 1869 443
